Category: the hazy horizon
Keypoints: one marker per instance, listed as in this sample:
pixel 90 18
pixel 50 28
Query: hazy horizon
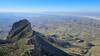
pixel 58 7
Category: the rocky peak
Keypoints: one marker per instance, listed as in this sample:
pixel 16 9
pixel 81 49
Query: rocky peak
pixel 20 29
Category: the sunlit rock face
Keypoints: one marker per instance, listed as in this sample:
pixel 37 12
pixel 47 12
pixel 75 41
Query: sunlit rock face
pixel 20 29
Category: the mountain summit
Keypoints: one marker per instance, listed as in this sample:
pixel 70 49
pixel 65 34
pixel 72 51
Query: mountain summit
pixel 20 29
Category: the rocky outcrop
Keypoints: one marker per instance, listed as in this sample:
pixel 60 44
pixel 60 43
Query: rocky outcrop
pixel 20 29
pixel 19 41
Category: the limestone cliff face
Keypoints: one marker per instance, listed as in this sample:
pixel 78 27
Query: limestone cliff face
pixel 20 29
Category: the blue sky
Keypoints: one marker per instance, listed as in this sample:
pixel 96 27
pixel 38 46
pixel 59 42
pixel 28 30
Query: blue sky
pixel 49 5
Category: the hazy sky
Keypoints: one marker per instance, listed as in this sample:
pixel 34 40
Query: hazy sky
pixel 49 5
